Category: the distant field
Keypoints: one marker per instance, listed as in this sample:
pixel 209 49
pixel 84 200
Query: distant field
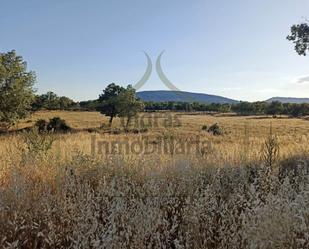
pixel 242 135
pixel 77 120
pixel 258 125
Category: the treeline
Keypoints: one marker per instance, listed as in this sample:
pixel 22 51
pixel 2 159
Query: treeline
pixel 273 108
pixel 242 108
pixel 51 101
pixel 184 106
pixel 91 105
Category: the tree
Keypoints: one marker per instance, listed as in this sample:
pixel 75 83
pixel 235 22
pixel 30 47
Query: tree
pixel 300 37
pixel 16 88
pixel 243 108
pixel 89 105
pixel 65 103
pixel 259 107
pixel 224 108
pixel 129 105
pixel 109 104
pixel 274 108
pixel 51 101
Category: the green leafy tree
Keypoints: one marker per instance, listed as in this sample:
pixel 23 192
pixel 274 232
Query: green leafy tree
pixel 243 108
pixel 16 88
pixel 89 105
pixel 51 101
pixel 275 108
pixel 300 37
pixel 109 103
pixel 224 108
pixel 65 103
pixel 129 105
pixel 259 107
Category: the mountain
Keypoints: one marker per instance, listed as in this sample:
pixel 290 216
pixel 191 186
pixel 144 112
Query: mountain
pixel 179 96
pixel 289 100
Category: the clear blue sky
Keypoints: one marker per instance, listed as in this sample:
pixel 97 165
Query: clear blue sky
pixel 232 48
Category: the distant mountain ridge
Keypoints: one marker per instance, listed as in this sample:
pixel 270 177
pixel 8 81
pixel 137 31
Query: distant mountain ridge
pixel 289 100
pixel 180 96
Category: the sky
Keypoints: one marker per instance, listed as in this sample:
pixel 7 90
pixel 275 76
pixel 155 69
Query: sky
pixel 236 49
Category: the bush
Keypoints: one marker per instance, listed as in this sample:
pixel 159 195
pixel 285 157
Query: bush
pixel 293 167
pixel 135 131
pixel 38 142
pixel 57 124
pixel 215 130
pixel 41 125
pixel 204 127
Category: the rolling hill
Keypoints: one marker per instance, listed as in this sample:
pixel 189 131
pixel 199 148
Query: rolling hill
pixel 289 100
pixel 179 96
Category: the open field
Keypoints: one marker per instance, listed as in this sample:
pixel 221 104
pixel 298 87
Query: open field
pixel 245 134
pixel 204 191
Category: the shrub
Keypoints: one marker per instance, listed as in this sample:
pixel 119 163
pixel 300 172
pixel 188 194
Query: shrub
pixel 41 124
pixel 38 142
pixel 204 127
pixel 293 167
pixel 215 130
pixel 135 131
pixel 57 124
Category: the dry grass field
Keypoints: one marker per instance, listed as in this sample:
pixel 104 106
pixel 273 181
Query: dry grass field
pixel 245 134
pixel 166 183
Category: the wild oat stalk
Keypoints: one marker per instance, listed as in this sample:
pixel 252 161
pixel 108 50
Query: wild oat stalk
pixel 270 151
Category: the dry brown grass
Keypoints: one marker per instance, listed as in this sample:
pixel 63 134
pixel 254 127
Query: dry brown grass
pixel 242 135
pixel 218 196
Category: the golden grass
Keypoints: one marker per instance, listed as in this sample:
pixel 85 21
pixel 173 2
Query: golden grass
pixel 242 135
pixel 220 195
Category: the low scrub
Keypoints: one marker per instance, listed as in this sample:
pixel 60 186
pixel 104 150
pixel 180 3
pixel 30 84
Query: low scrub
pixel 37 142
pixel 214 129
pixel 55 124
pixel 91 204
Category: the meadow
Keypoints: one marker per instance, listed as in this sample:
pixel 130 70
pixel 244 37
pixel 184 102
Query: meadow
pixel 246 187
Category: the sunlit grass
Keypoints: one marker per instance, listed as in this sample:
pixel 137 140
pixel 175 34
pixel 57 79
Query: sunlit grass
pixel 217 196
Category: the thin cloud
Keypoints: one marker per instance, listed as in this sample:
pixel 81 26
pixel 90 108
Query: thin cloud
pixel 302 80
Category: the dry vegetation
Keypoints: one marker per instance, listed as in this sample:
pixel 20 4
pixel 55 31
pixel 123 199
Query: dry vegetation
pixel 247 188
